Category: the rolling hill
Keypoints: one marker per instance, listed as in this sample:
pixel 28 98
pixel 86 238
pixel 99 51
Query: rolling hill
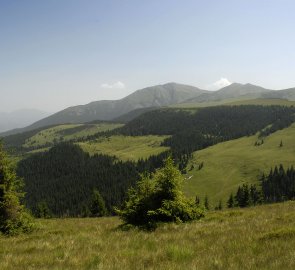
pixel 288 94
pixel 229 164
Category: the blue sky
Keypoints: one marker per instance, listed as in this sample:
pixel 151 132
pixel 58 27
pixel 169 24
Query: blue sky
pixel 58 53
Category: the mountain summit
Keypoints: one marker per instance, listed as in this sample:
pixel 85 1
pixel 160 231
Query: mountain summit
pixel 234 90
pixel 154 96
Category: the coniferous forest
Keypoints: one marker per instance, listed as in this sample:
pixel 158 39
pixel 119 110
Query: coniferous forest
pixel 65 178
pixel 277 186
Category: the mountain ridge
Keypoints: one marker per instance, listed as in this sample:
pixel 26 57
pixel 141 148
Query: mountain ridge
pixel 154 97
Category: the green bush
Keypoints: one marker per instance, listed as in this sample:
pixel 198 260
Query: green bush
pixel 159 199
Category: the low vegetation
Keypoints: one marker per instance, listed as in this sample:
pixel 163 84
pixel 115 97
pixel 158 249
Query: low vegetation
pixel 53 135
pixel 237 101
pixel 126 147
pixel 261 237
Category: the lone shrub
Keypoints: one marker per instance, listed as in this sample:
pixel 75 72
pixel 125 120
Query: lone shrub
pixel 159 199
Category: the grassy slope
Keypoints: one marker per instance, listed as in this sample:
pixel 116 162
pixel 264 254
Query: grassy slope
pixel 236 101
pixel 202 104
pixel 51 134
pixel 255 238
pixel 270 101
pixel 126 147
pixel 228 164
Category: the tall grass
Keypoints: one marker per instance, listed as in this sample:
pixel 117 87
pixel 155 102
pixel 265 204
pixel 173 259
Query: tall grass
pixel 255 238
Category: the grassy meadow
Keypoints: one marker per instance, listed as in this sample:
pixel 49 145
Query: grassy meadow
pixel 126 147
pixel 67 132
pixel 260 237
pixel 227 165
pixel 264 102
pixel 237 101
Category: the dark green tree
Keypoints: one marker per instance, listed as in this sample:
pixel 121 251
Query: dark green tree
pixel 255 195
pixel 42 210
pixel 231 201
pixel 97 207
pixel 13 217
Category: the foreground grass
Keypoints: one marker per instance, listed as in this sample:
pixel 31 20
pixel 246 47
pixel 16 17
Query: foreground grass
pixel 256 238
pixel 126 147
pixel 227 165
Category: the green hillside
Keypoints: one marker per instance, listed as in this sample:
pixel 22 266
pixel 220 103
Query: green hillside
pixel 262 237
pixel 67 132
pixel 126 147
pixel 228 164
pixel 204 104
pixel 237 101
pixel 123 147
pixel 263 101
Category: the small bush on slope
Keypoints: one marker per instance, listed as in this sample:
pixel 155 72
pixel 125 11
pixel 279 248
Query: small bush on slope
pixel 159 199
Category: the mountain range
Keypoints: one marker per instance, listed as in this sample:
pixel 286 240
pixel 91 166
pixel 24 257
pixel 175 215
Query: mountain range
pixel 20 118
pixel 153 97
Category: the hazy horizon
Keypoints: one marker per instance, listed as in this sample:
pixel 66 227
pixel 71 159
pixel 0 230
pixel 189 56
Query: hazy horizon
pixel 58 54
pixel 219 82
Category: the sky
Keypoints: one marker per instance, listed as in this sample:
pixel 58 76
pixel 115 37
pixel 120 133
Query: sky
pixel 60 53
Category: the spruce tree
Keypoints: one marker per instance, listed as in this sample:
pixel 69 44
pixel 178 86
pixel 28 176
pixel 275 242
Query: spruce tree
pixel 42 210
pixel 13 217
pixel 220 205
pixel 159 198
pixel 97 207
pixel 230 202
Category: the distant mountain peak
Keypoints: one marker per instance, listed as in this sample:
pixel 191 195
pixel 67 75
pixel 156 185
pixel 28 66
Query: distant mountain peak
pixel 156 96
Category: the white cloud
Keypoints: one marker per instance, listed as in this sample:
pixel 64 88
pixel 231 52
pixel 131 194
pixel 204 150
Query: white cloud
pixel 116 85
pixel 219 84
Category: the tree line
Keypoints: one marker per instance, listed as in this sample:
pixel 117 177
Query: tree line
pixel 277 186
